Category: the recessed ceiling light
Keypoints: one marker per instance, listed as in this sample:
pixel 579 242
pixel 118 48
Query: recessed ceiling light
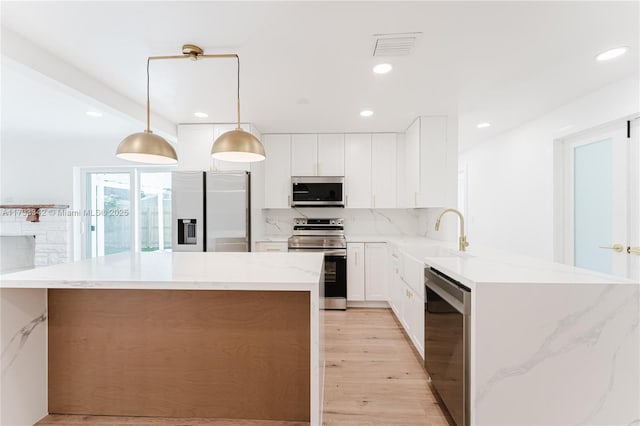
pixel 382 68
pixel 201 114
pixel 483 125
pixel 95 114
pixel 366 113
pixel 613 53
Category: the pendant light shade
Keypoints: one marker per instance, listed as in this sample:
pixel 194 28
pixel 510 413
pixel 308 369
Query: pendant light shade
pixel 238 146
pixel 146 147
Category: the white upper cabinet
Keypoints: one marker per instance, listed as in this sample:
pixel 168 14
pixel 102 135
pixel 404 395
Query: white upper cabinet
pixel 434 163
pixel 357 170
pixel 277 179
pixel 317 155
pixel 331 155
pixel 412 165
pixel 429 164
pixel 383 170
pixel 195 142
pixel 304 155
pixel 194 146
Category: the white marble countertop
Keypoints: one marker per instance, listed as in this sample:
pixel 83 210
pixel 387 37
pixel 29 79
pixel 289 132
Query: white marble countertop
pixel 179 271
pixel 478 266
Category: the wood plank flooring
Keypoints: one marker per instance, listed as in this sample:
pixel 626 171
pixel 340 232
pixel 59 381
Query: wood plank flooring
pixel 372 378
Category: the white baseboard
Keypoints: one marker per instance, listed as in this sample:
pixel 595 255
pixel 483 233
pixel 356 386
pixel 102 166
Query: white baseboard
pixel 367 304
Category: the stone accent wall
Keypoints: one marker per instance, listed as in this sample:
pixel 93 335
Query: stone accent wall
pixel 53 234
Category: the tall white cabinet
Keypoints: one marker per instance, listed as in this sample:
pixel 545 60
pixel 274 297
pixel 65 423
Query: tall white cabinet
pixel 277 173
pixel 429 164
pixel 383 170
pixel 357 170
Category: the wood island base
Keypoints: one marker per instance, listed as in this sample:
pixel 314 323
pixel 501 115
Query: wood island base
pixel 179 353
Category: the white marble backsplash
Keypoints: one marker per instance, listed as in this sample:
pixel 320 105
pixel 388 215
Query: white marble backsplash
pixel 279 222
pixel 52 234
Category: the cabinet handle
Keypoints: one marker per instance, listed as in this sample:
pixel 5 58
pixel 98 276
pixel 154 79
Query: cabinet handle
pixel 318 169
pixel 346 201
pixel 356 258
pixel 415 199
pixel 289 200
pixel 634 250
pixel 374 201
pixel 273 249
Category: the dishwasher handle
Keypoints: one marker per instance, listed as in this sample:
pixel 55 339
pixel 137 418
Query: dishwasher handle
pixel 454 293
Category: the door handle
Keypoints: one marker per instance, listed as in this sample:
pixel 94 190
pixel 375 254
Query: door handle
pixel 634 250
pixel 616 247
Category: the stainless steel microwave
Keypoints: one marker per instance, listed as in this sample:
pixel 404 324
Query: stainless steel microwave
pixel 317 191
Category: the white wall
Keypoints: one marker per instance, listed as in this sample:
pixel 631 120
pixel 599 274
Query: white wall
pixel 511 178
pixel 39 169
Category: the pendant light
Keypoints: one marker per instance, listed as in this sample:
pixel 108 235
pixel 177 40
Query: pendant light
pixel 147 147
pixel 236 145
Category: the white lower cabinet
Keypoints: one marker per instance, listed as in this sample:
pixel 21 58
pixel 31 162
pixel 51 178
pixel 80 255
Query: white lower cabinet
pixel 375 271
pixel 413 310
pixel 355 272
pixel 366 272
pixel 406 294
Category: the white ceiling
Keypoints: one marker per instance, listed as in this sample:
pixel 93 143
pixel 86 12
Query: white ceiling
pixel 501 62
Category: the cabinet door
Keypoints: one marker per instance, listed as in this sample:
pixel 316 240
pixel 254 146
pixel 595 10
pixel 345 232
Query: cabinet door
pixel 415 319
pixel 383 170
pixel 277 179
pixel 355 271
pixel 357 170
pixel 376 271
pixel 412 164
pixel 194 146
pixel 304 155
pixel 218 130
pixel 394 282
pixel 331 155
pixel 434 174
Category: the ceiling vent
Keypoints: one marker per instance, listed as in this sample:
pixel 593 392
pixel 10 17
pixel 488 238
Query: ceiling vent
pixel 398 44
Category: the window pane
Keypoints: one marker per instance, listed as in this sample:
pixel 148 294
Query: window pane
pixel 155 211
pixel 109 218
pixel 593 204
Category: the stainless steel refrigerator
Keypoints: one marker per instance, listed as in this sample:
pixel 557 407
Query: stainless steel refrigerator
pixel 211 211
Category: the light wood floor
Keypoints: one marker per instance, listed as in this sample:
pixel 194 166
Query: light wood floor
pixel 372 378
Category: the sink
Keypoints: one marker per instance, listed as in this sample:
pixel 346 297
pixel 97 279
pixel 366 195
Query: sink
pixel 422 251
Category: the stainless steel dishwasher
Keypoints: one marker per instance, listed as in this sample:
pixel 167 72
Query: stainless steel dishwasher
pixel 446 341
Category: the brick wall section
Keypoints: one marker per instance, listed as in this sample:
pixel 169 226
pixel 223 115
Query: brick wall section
pixel 53 234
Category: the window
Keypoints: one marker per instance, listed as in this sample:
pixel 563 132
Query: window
pixel 125 209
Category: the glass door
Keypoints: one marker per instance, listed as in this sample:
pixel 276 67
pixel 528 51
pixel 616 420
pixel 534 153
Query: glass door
pixel 154 203
pixel 600 196
pixel 108 218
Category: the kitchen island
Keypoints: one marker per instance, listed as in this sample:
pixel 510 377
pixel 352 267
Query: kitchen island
pixel 224 335
pixel 550 344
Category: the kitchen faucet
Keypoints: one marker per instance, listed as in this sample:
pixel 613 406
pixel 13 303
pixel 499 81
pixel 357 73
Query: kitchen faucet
pixel 462 241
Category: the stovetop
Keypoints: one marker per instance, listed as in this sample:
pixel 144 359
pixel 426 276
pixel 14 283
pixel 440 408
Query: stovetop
pixel 318 233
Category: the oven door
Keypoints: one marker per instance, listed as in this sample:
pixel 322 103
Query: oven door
pixel 335 281
pixel 334 294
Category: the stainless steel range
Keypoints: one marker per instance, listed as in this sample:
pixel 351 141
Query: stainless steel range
pixel 325 236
